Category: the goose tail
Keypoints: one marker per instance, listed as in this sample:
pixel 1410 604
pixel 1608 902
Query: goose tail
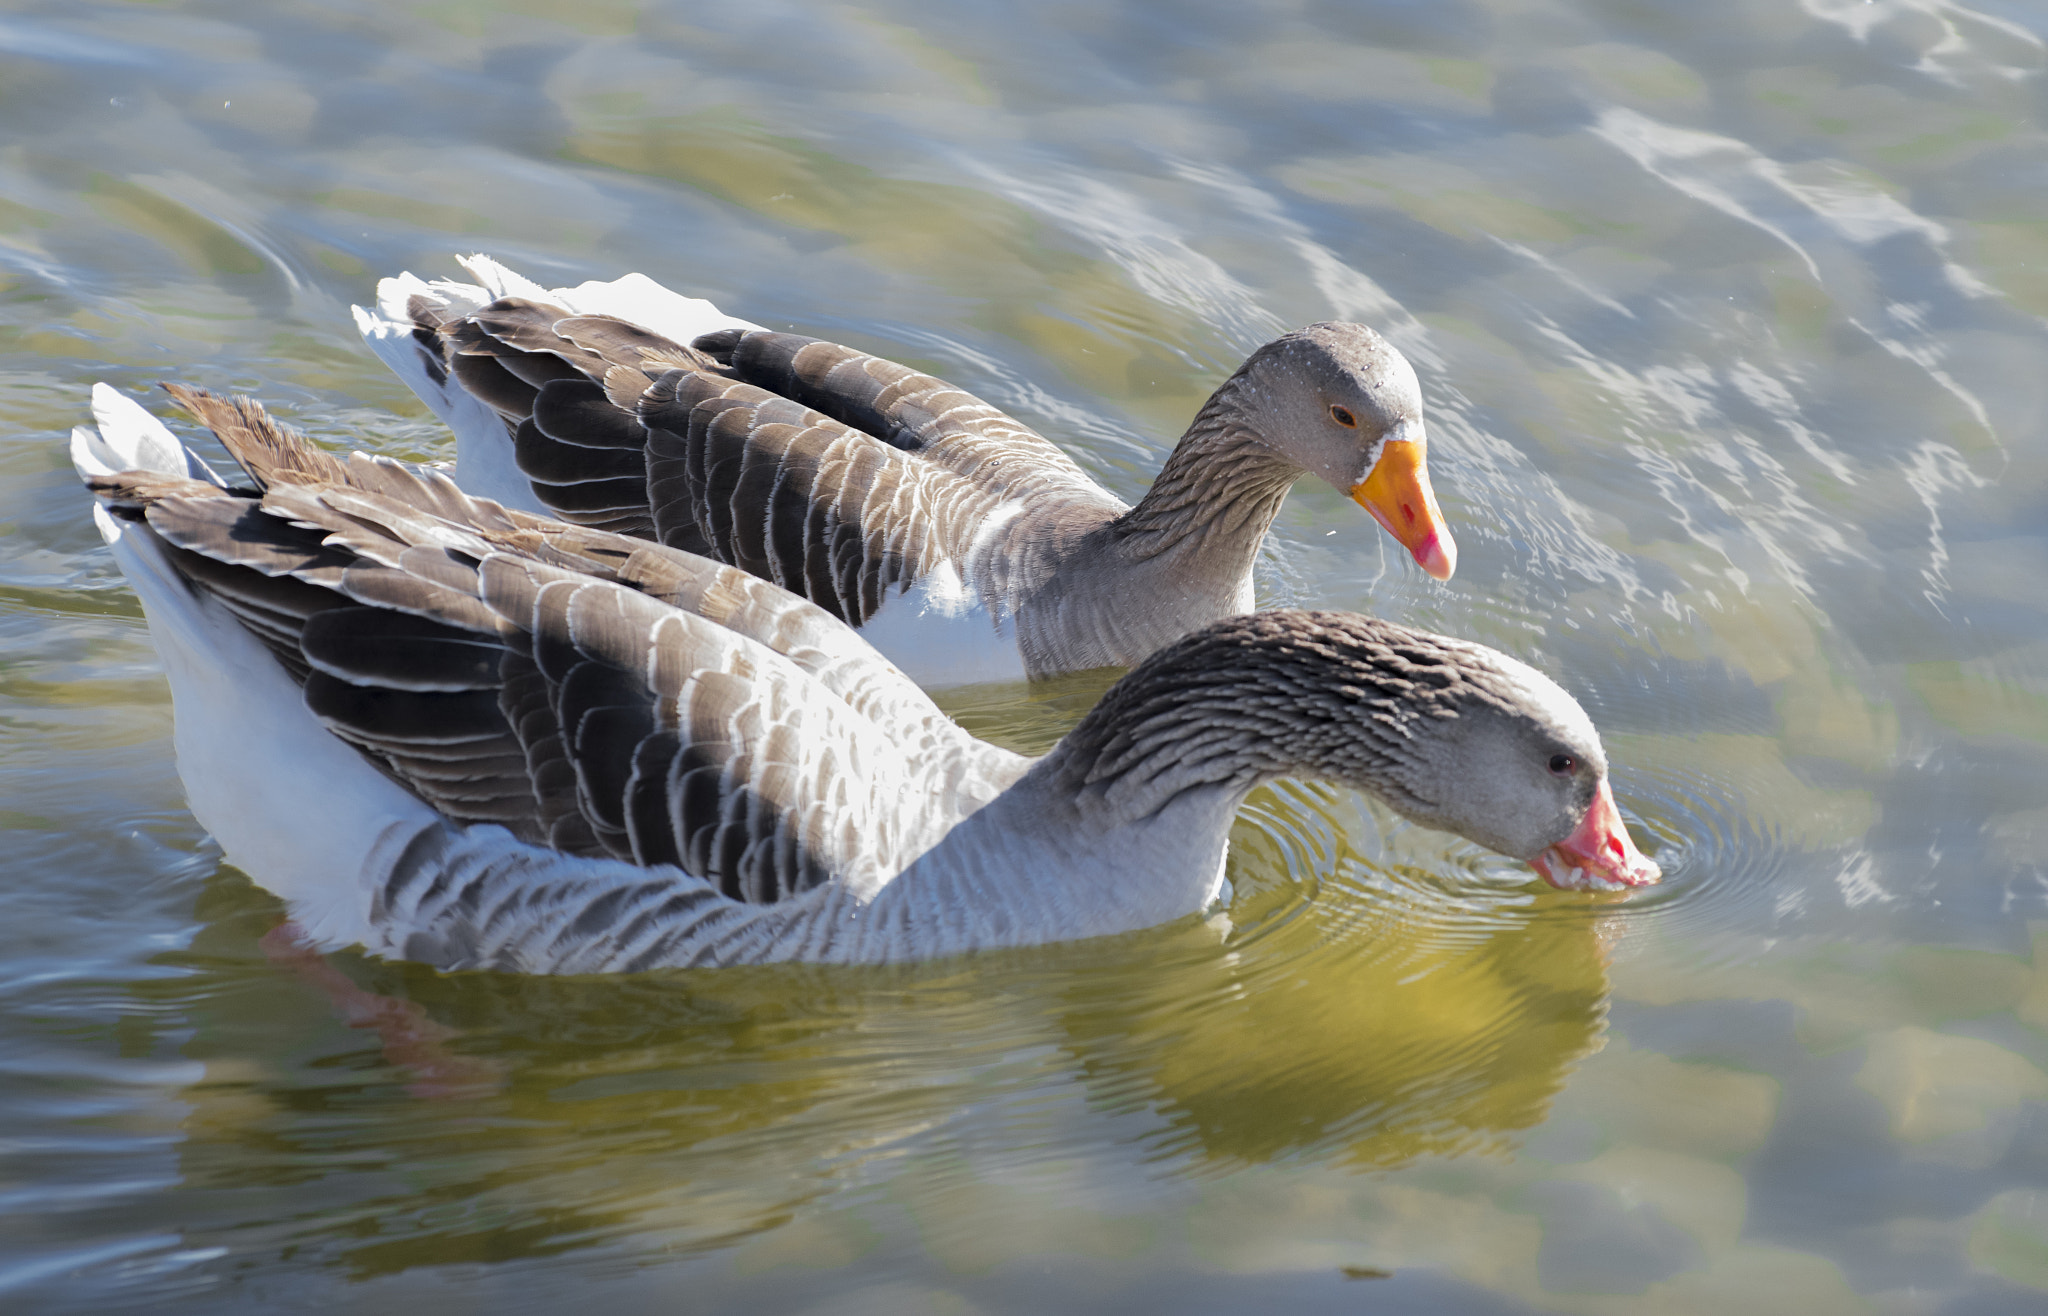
pixel 403 329
pixel 282 795
pixel 125 438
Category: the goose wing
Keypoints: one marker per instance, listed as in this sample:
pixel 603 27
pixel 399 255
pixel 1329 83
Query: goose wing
pixel 621 429
pixel 595 694
pixel 903 407
pixel 834 473
pixel 410 343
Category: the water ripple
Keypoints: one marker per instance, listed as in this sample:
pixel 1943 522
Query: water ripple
pixel 1722 868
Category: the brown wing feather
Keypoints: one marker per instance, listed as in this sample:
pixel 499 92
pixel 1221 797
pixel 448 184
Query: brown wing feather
pixel 565 386
pixel 573 706
pixel 268 451
pixel 836 474
pixel 797 498
pixel 901 406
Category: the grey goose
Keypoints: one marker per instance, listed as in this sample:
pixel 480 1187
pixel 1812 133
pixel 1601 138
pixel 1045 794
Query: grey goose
pixel 962 544
pixel 476 737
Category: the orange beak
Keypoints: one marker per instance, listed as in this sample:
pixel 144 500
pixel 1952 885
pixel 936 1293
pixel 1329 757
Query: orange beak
pixel 1398 495
pixel 1599 855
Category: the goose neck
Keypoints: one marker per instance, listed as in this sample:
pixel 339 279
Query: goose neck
pixel 1219 490
pixel 1180 724
pixel 1266 695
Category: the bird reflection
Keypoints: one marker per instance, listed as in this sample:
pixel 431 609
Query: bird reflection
pixel 425 1118
pixel 1338 1053
pixel 1443 1025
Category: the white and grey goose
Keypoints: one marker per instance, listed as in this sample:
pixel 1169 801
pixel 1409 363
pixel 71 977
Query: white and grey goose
pixel 478 738
pixel 890 498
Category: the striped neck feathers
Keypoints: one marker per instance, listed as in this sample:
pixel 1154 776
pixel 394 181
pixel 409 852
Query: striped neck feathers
pixel 1266 695
pixel 1220 489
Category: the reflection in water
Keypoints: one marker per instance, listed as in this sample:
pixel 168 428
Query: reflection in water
pixel 1027 717
pixel 1384 1021
pixel 1362 1055
pixel 497 1116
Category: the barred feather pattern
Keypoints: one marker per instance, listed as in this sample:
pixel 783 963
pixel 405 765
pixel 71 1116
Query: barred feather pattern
pixel 749 447
pixel 796 497
pixel 549 679
pixel 854 480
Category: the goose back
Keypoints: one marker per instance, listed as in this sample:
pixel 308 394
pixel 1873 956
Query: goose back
pixel 597 696
pixel 867 486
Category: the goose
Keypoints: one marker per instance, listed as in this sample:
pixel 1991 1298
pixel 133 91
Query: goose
pixel 961 544
pixel 478 738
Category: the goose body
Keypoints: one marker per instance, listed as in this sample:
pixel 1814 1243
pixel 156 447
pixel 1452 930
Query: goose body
pixel 474 737
pixel 962 544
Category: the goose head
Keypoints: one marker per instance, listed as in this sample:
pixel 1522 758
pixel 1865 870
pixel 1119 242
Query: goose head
pixel 1342 403
pixel 1502 755
pixel 1452 735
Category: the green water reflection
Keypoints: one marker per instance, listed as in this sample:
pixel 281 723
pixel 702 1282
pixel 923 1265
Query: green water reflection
pixel 493 1117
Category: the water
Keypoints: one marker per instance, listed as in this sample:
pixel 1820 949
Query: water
pixel 1729 319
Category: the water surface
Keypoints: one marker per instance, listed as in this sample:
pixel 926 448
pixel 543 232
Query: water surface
pixel 1729 322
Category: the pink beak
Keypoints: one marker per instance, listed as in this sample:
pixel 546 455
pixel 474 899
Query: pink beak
pixel 1598 856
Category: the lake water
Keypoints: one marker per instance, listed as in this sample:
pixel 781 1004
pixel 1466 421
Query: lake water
pixel 1730 323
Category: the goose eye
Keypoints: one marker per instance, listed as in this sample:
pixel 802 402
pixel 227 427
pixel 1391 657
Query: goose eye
pixel 1563 764
pixel 1342 415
